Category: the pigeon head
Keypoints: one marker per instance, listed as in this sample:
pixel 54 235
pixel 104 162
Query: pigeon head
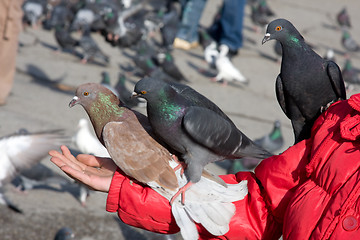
pixel 88 93
pixel 149 88
pixel 283 31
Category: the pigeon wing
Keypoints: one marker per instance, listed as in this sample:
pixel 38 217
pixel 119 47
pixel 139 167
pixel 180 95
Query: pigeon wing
pixel 280 95
pixel 138 154
pixel 24 151
pixel 336 79
pixel 212 131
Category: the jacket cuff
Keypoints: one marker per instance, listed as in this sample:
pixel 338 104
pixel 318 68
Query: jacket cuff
pixel 112 201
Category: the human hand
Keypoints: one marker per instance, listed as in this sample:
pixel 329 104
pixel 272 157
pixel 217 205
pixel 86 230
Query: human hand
pixel 95 172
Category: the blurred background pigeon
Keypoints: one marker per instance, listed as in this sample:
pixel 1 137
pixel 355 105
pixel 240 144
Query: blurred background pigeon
pixel 349 73
pixel 64 233
pixel 87 142
pixel 91 50
pixel 273 141
pixel 343 18
pixel 348 42
pixel 33 12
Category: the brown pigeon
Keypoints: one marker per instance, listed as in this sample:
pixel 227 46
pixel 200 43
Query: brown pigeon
pixel 141 157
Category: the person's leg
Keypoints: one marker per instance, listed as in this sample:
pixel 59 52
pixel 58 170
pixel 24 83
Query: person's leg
pixel 10 21
pixel 228 28
pixel 188 29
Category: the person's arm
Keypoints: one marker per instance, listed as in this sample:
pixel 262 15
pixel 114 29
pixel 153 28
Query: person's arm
pixel 258 215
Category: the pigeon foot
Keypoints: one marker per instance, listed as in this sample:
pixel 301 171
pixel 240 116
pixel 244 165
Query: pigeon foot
pixel 182 192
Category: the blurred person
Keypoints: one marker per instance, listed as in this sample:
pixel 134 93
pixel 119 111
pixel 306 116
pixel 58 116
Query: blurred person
pixel 310 191
pixel 187 35
pixel 223 39
pixel 10 26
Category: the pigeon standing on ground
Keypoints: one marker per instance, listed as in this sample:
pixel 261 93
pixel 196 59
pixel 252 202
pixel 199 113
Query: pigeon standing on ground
pixel 23 150
pixel 106 81
pixel 194 127
pixel 343 18
pixel 349 73
pixel 166 61
pixel 273 141
pixel 348 42
pixel 91 50
pixel 307 83
pixel 141 157
pixel 125 93
pixel 64 39
pixel 226 70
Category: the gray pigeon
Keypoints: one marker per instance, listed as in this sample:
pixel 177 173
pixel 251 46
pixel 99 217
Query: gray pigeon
pixel 273 141
pixel 307 83
pixel 348 42
pixel 22 150
pixel 141 157
pixel 193 126
pixel 349 73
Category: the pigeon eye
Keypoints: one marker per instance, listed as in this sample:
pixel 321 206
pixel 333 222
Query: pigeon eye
pixel 278 28
pixel 86 94
pixel 143 92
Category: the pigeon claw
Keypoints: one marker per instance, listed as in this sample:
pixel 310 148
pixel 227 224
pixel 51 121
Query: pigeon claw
pixel 182 192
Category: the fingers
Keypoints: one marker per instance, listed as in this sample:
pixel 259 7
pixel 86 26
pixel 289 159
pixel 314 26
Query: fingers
pixel 90 160
pixel 66 158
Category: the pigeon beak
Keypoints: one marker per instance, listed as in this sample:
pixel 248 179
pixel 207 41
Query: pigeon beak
pixel 266 38
pixel 134 95
pixel 74 101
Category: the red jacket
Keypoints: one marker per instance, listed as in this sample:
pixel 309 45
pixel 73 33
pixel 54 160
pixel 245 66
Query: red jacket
pixel 311 191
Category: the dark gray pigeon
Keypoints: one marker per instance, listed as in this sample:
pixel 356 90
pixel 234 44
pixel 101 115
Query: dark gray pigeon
pixel 64 39
pixel 125 93
pixel 91 50
pixel 307 83
pixel 193 126
pixel 343 18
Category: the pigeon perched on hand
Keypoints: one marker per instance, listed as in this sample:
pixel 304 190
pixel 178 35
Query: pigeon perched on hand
pixel 307 83
pixel 141 157
pixel 193 126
